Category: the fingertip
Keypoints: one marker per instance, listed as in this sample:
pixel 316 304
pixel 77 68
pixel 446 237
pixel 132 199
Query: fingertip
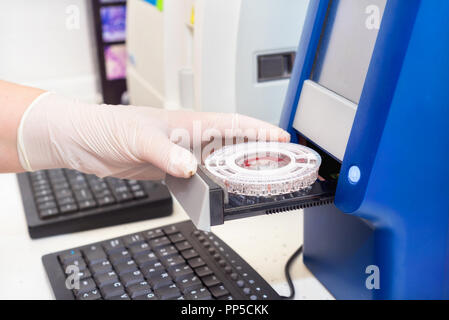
pixel 190 168
pixel 182 163
pixel 285 136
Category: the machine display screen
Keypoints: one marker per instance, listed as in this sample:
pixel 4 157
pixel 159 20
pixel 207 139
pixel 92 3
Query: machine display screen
pixel 113 20
pixel 347 45
pixel 110 32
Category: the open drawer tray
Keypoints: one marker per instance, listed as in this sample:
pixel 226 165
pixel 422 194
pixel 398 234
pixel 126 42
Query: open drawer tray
pixel 208 204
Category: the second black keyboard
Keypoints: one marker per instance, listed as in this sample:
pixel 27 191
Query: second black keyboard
pixel 60 201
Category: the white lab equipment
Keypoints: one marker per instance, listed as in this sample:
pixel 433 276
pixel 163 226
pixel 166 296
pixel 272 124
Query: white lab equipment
pixel 213 55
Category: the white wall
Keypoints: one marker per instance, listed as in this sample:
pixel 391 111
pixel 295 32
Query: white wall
pixel 49 44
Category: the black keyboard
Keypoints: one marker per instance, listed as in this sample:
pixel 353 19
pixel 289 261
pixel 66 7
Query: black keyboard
pixel 176 262
pixel 61 201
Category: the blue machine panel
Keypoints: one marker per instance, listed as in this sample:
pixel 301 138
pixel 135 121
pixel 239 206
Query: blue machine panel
pixel 396 217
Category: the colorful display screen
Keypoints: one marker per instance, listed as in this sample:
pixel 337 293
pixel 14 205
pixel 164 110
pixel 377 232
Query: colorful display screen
pixel 115 59
pixel 113 21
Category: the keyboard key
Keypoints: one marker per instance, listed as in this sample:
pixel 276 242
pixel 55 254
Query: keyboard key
pixel 106 278
pixel 153 269
pixel 198 294
pixel 125 267
pixel 139 194
pixel 44 214
pixel 219 291
pixel 180 273
pixel 203 271
pixel 196 262
pixel 139 289
pixel 166 252
pixel 173 261
pixel 87 204
pixel 63 193
pixel 102 194
pixel 177 237
pixel 84 274
pixel 43 193
pixel 159 242
pixel 135 188
pixel 61 185
pixel 146 259
pixel 92 295
pixel 86 285
pixel 79 263
pixel 43 199
pixel 46 205
pixel 100 268
pixel 98 187
pixel 121 297
pixel 153 234
pixel 169 292
pixel 211 281
pixel 105 201
pixel 66 201
pixel 120 257
pixel 184 245
pixel 76 186
pixel 112 246
pixel 41 185
pixel 131 278
pixel 115 183
pixel 55 173
pixel 138 249
pixel 123 196
pixel 150 296
pixel 170 230
pixel 70 255
pixel 76 177
pixel 189 284
pixel 160 280
pixel 83 195
pixel 247 291
pixel 112 290
pixel 189 254
pixel 133 239
pixel 206 244
pixel 94 254
pixel 69 208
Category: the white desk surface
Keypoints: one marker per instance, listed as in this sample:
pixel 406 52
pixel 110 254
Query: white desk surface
pixel 265 242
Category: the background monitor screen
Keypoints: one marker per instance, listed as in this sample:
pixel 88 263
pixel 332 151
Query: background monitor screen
pixel 110 35
pixel 347 45
pixel 115 59
pixel 113 20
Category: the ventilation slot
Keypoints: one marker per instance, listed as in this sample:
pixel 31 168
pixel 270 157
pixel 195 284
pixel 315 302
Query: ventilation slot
pixel 299 206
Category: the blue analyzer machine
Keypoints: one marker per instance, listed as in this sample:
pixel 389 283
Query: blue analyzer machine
pixel 370 90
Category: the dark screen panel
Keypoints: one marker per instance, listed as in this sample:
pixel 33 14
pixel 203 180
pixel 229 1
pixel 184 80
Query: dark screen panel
pixel 347 46
pixel 110 30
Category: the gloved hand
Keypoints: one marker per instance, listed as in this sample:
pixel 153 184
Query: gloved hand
pixel 124 141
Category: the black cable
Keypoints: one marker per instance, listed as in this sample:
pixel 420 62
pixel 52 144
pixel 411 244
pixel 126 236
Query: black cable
pixel 288 276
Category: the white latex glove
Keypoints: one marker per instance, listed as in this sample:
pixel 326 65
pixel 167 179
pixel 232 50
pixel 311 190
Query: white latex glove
pixel 120 141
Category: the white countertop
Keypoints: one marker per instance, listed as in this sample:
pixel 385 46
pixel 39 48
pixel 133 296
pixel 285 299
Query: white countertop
pixel 265 242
